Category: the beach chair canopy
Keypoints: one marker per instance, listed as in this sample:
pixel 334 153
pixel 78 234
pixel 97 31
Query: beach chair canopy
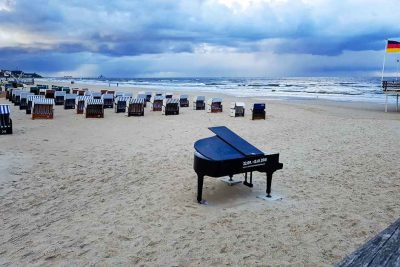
pixel 200 98
pixel 107 96
pixel 4 109
pixel 216 100
pixel 32 97
pixel 122 99
pixel 93 102
pixel 96 94
pixel 128 94
pixel 70 96
pixel 141 95
pixel 158 97
pixel 183 97
pixel 42 101
pixel 259 106
pixel 237 104
pixel 136 101
pixel 43 90
pixel 119 94
pixel 16 92
pixel 60 93
pixel 170 101
pixel 82 98
pixel 24 95
pixel 148 94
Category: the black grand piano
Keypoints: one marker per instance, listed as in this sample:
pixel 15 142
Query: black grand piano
pixel 227 154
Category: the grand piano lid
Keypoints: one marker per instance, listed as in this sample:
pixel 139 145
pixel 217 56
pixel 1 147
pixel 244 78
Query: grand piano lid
pixel 226 145
pixel 215 148
pixel 236 141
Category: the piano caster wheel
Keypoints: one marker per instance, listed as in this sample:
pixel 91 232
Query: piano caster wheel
pixel 203 202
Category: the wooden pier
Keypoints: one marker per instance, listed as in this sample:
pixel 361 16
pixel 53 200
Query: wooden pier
pixel 382 250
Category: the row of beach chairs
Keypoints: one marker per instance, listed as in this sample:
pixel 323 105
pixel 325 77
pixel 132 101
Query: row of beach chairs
pixel 39 101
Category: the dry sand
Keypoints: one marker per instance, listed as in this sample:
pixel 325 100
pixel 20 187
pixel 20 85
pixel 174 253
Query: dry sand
pixel 122 190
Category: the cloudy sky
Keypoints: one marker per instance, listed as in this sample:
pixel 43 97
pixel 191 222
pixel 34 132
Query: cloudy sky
pixel 180 38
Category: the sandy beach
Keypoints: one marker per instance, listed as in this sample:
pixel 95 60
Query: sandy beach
pixel 121 191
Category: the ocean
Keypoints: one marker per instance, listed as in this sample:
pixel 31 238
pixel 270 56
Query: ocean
pixel 330 88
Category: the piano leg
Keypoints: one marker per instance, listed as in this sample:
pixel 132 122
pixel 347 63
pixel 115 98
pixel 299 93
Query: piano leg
pixel 251 180
pixel 200 180
pixel 269 181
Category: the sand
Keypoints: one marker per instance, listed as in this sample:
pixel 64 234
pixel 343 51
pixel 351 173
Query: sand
pixel 122 190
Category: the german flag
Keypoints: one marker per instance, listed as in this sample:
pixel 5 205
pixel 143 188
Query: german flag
pixel 393 47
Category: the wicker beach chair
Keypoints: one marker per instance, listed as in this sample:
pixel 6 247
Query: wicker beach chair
pixel 67 90
pixel 23 101
pixel 108 100
pixel 103 91
pixel 43 108
pixel 75 91
pixel 170 106
pixel 69 102
pixel 34 90
pixel 157 102
pixel 214 105
pixel 237 109
pixel 120 104
pixel 199 103
pixel 80 103
pixel 143 96
pixel 184 101
pixel 136 107
pixel 258 111
pixel 50 93
pixel 5 120
pixel 15 96
pixel 30 101
pixel 148 96
pixel 59 98
pixel 94 108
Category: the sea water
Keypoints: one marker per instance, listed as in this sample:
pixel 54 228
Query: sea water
pixel 330 88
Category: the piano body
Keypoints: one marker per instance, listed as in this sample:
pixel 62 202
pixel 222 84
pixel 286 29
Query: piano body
pixel 227 154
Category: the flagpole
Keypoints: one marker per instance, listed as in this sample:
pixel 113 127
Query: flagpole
pixel 384 59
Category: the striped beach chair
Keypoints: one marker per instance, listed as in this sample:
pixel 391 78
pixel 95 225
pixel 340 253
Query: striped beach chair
pixel 94 108
pixel 199 103
pixel 170 106
pixel 214 105
pixel 108 100
pixel 69 102
pixel 142 95
pixel 80 103
pixel 183 101
pixel 43 108
pixel 23 101
pixel 59 97
pixel 157 102
pixel 30 101
pixel 136 107
pixel 121 103
pixel 5 120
